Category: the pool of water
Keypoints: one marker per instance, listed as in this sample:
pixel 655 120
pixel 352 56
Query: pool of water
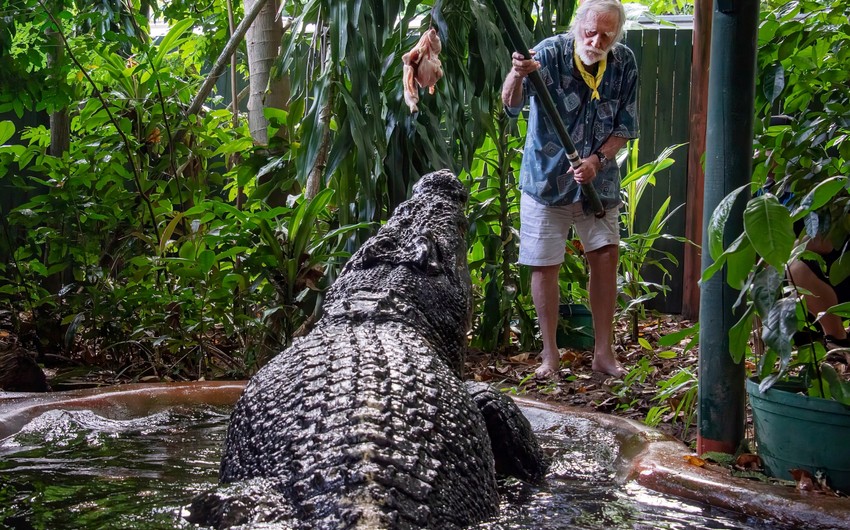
pixel 75 469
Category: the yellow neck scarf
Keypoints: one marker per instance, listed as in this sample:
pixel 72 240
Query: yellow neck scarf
pixel 592 82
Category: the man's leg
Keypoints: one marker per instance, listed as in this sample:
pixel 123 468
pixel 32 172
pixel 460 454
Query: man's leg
pixel 547 297
pixel 602 291
pixel 822 298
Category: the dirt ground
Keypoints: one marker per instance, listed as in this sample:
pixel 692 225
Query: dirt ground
pixel 634 396
pixel 660 388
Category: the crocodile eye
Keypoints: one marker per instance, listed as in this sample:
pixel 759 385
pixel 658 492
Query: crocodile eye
pixel 424 255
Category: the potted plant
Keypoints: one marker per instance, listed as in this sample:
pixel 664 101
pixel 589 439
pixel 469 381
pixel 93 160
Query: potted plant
pixel 800 404
pixel 575 323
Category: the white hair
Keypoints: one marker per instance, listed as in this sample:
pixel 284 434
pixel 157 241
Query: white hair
pixel 599 6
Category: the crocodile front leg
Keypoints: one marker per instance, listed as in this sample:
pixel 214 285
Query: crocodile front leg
pixel 515 447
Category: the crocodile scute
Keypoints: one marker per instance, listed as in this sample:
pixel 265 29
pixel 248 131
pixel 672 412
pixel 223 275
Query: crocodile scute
pixel 365 422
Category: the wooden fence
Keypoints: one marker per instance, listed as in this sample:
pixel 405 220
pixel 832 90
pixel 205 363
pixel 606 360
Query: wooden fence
pixel 663 55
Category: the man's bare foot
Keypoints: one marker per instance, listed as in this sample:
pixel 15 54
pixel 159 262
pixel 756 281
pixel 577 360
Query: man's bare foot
pixel 549 366
pixel 607 364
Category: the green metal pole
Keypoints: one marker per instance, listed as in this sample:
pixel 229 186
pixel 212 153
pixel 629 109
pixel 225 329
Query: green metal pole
pixel 728 163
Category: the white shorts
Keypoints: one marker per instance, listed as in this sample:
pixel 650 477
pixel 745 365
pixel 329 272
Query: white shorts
pixel 544 231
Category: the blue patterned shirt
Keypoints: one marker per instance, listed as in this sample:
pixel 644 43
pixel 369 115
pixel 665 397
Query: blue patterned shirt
pixel 543 174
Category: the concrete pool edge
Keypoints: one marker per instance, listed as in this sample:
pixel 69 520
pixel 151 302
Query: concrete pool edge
pixel 657 462
pixel 647 457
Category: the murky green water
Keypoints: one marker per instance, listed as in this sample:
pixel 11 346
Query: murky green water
pixel 71 469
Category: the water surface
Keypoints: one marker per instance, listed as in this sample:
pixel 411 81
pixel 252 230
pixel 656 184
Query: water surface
pixel 75 469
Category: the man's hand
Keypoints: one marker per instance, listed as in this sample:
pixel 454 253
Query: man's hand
pixel 522 66
pixel 586 171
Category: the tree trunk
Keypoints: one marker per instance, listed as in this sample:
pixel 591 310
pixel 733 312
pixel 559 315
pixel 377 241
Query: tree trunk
pixel 263 39
pixel 60 124
pixel 314 179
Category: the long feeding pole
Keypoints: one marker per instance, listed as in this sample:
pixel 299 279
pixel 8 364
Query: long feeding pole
pixel 548 105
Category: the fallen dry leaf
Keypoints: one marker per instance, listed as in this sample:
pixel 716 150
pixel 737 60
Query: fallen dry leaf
pixel 804 479
pixel 694 460
pixel 571 356
pixel 748 461
pixel 520 358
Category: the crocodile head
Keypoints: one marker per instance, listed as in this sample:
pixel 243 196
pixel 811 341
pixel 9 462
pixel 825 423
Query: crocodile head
pixel 414 270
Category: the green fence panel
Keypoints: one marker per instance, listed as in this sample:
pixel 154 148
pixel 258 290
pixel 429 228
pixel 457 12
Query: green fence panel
pixel 663 55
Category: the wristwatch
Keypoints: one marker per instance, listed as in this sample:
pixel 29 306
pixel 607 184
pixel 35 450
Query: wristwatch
pixel 603 160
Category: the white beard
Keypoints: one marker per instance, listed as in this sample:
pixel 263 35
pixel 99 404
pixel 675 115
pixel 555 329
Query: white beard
pixel 589 55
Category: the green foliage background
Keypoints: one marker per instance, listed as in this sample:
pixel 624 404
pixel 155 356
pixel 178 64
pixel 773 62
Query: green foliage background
pixel 800 185
pixel 135 249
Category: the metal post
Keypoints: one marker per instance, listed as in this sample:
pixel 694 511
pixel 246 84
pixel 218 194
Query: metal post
pixel 728 163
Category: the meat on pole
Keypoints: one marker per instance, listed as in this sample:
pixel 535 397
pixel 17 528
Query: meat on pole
pixel 548 105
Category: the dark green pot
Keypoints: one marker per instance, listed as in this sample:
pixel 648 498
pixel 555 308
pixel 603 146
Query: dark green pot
pixel 795 431
pixel 575 327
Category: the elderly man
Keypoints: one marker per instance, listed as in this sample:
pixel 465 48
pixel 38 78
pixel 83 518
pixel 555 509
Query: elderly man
pixel 593 80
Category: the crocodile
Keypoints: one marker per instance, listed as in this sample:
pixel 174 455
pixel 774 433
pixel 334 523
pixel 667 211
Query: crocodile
pixel 366 421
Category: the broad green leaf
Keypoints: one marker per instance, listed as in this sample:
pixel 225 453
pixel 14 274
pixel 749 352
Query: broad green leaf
pixel 717 223
pixel 773 82
pixel 677 336
pixel 7 130
pixel 842 310
pixel 739 264
pixel 770 229
pixel 819 196
pixel 739 335
pixel 779 328
pixel 302 226
pixel 712 269
pixel 270 239
pixel 166 234
pixel 206 259
pixel 765 290
pixel 187 250
pixel 839 270
pixel 172 39
pixel 720 261
pixel 234 280
pixel 839 388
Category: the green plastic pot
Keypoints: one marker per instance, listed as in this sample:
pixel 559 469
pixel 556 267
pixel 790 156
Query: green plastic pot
pixel 795 431
pixel 575 328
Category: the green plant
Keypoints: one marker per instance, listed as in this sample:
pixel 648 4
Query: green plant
pixel 803 48
pixel 498 284
pixel 757 262
pixel 677 397
pixel 160 269
pixel 637 247
pixel 636 375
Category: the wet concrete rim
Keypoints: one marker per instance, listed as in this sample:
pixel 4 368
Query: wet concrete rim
pixel 647 457
pixel 657 462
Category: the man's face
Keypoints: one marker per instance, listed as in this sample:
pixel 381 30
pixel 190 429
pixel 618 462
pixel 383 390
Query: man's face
pixel 595 36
